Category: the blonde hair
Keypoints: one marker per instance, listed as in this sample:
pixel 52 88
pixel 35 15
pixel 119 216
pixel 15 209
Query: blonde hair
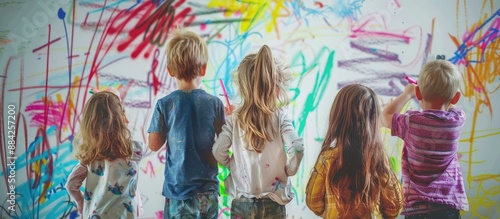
pixel 103 131
pixel 187 53
pixel 363 167
pixel 439 79
pixel 262 85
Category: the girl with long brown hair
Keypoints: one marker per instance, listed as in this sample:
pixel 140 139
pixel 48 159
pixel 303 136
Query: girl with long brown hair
pixel 352 177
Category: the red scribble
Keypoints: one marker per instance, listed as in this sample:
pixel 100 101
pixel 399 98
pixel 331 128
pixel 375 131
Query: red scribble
pixel 147 19
pixel 156 82
pixel 46 45
pixel 397 3
pixel 5 41
pixel 319 4
pixel 154 24
pixel 43 165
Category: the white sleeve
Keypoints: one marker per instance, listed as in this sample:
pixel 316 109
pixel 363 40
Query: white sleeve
pixel 294 144
pixel 220 150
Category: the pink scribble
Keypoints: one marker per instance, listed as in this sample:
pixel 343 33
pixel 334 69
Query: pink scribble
pixel 159 214
pixel 222 212
pixel 54 111
pixel 397 3
pixel 149 168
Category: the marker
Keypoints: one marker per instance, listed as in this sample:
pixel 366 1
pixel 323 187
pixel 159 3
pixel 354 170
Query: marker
pixel 411 80
pixel 225 92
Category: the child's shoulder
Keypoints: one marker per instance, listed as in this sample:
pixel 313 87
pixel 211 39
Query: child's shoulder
pixel 330 153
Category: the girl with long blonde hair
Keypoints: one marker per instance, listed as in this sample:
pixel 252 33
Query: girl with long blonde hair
pixel 266 150
pixel 108 161
pixel 352 177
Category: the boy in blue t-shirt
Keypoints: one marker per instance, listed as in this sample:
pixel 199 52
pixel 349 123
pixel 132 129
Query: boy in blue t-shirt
pixel 188 120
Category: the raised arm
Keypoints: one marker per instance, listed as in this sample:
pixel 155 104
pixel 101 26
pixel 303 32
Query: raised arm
pixel 74 183
pixel 397 104
pixel 294 145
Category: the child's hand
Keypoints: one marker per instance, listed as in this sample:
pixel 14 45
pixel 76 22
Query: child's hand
pixel 229 109
pixel 410 90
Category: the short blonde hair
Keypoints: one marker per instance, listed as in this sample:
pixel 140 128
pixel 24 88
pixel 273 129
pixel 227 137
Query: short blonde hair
pixel 439 79
pixel 187 53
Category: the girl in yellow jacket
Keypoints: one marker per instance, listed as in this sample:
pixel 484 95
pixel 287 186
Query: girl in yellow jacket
pixel 352 177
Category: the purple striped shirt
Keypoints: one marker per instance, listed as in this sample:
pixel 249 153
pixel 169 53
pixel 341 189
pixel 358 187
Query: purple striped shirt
pixel 431 172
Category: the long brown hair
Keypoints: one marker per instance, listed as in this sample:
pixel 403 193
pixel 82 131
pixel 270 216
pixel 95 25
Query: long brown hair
pixel 262 83
pixel 363 166
pixel 103 131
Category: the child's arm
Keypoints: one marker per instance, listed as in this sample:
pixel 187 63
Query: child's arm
pixel 220 120
pixel 157 129
pixel 397 104
pixel 156 140
pixel 316 188
pixel 295 146
pixel 74 183
pixel 220 150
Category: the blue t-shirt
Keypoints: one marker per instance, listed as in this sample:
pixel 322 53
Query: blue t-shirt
pixel 188 118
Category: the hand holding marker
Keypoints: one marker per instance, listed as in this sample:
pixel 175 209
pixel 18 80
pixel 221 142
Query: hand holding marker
pixel 225 91
pixel 229 108
pixel 411 80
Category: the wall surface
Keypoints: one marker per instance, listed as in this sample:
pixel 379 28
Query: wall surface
pixel 53 52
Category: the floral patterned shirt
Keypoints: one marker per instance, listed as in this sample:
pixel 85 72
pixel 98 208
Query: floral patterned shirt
pixel 110 187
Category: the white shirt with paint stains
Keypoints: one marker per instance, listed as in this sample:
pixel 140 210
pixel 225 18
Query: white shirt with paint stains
pixel 259 175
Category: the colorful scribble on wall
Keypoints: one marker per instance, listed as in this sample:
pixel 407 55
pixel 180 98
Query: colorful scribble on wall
pixel 53 52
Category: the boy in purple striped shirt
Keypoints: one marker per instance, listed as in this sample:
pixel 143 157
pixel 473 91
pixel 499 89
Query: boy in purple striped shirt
pixel 432 178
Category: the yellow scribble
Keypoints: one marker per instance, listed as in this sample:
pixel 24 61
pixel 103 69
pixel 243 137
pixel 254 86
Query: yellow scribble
pixel 252 12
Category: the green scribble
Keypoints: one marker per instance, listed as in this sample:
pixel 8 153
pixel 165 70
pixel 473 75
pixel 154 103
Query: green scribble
pixel 393 163
pixel 320 83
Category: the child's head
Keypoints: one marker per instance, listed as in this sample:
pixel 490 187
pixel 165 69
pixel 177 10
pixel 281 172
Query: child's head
pixel 439 82
pixel 262 85
pixel 103 129
pixel 354 117
pixel 187 55
pixel 362 166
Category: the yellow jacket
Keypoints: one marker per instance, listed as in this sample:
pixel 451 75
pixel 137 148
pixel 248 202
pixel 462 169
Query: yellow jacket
pixel 321 200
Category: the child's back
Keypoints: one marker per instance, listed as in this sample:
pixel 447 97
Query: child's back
pixel 266 148
pixel 111 186
pixel 264 174
pixel 352 177
pixel 188 120
pixel 108 161
pixel 432 178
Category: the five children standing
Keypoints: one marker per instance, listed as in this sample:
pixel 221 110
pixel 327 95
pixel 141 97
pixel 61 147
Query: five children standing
pixel 352 177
